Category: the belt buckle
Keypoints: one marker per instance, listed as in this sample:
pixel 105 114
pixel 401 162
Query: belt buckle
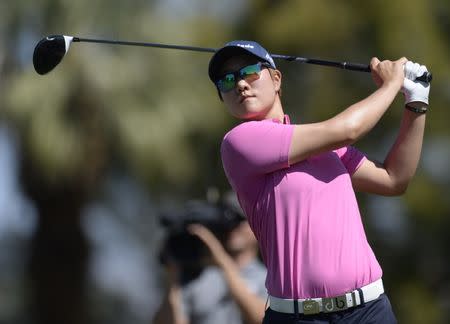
pixel 334 304
pixel 311 307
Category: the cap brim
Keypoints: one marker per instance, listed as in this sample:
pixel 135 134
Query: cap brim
pixel 221 56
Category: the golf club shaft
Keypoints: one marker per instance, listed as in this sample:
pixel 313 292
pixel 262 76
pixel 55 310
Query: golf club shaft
pixel 426 77
pixel 341 65
pixel 116 42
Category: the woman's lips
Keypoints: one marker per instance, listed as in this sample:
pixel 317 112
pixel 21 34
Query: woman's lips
pixel 243 98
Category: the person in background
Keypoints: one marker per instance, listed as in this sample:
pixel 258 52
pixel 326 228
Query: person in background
pixel 231 287
pixel 296 183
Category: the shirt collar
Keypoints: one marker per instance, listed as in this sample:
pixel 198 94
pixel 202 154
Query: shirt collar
pixel 286 120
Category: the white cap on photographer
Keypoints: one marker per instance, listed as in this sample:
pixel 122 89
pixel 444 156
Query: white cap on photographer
pixel 415 91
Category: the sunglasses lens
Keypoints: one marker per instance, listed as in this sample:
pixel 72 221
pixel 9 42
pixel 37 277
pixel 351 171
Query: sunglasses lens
pixel 250 71
pixel 226 83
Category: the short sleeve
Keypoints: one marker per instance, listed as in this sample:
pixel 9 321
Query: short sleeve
pixel 351 157
pixel 256 147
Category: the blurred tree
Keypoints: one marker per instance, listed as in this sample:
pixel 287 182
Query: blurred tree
pixel 105 107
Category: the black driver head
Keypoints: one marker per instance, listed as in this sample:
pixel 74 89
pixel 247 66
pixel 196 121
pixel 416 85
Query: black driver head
pixel 49 52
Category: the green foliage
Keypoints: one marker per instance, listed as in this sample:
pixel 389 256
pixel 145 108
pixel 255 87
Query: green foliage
pixel 148 101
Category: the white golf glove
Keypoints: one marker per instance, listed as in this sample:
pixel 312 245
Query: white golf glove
pixel 415 90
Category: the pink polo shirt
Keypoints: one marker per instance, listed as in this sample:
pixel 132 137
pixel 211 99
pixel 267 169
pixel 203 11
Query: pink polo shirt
pixel 305 216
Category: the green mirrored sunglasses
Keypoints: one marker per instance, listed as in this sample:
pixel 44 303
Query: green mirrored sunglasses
pixel 249 73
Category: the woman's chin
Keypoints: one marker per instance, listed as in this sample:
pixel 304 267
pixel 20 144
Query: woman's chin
pixel 250 115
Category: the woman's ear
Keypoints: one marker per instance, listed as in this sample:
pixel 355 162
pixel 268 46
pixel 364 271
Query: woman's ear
pixel 276 77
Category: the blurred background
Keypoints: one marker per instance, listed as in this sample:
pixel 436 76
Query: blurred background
pixel 92 153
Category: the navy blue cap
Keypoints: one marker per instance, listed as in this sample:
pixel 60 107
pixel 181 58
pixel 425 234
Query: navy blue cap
pixel 234 48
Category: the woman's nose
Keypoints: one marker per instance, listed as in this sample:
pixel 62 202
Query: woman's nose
pixel 242 85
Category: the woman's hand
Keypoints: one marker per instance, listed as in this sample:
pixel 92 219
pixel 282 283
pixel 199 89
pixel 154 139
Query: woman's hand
pixel 388 72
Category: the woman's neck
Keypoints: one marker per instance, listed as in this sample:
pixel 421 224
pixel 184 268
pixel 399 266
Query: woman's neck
pixel 276 112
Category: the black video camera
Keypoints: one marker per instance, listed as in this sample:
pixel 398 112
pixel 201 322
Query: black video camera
pixel 187 251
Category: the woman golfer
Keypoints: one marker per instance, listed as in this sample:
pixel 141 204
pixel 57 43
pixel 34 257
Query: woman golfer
pixel 296 184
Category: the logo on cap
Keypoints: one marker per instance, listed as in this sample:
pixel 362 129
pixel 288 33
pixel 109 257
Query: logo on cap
pixel 245 45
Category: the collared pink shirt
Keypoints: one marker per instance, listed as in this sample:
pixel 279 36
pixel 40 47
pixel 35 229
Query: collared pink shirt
pixel 305 216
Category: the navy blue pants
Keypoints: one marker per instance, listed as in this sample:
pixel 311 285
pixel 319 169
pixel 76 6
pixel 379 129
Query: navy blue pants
pixel 378 311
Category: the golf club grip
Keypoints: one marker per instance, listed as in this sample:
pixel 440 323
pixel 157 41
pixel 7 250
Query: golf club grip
pixel 426 77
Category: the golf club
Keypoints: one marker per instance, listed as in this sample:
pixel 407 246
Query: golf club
pixel 50 50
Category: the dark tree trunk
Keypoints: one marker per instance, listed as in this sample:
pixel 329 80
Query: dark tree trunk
pixel 59 254
pixel 60 251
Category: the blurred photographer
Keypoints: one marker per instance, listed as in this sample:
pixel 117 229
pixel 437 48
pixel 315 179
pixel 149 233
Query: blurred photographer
pixel 225 282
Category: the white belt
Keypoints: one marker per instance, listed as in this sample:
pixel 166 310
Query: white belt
pixel 326 305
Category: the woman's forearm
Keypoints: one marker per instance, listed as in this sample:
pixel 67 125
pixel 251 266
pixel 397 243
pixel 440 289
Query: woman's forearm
pixel 362 116
pixel 403 157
